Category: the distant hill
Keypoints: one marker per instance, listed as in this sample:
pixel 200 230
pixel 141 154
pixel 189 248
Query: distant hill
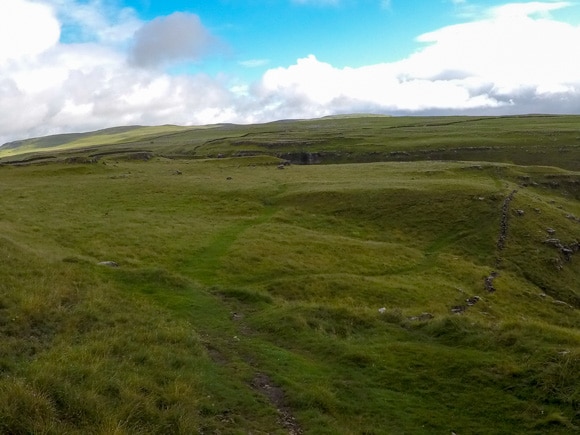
pixel 524 140
pixel 114 135
pixel 63 139
pixel 355 115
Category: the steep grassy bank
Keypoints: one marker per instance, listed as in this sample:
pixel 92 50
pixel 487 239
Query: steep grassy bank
pixel 313 299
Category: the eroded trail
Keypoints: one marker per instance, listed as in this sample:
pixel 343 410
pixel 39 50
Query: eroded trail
pixel 233 357
pixel 275 395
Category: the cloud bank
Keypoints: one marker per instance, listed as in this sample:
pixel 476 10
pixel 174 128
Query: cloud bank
pixel 75 66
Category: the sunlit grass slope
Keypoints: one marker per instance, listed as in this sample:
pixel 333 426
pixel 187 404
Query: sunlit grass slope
pixel 111 136
pixel 524 140
pixel 335 299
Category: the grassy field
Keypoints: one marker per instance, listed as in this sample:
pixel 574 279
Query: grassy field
pixel 324 299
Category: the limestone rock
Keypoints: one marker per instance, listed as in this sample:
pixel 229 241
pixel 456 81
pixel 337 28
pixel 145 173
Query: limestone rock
pixel 108 264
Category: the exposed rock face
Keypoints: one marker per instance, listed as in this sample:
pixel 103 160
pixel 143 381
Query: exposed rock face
pixel 303 158
pixel 80 159
pixel 141 155
pixel 108 264
pixel 566 250
pixel 422 317
pixel 459 309
pixel 489 281
pixel 473 300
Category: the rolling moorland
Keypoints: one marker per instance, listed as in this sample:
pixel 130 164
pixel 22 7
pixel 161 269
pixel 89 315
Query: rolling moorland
pixel 344 275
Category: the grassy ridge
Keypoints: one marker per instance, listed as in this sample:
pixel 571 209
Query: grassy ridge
pixel 523 140
pixel 116 135
pixel 247 298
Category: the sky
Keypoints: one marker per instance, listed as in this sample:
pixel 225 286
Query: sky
pixel 82 65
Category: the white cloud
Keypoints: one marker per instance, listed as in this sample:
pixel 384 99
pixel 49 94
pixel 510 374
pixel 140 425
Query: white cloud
pixel 95 20
pixel 513 60
pixel 26 29
pixel 49 87
pixel 510 49
pixel 311 85
pixel 517 10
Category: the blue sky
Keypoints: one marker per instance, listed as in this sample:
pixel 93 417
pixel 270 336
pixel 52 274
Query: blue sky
pixel 343 33
pixel 77 65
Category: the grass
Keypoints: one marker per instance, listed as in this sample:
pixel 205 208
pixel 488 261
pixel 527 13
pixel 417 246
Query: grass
pixel 524 140
pixel 231 270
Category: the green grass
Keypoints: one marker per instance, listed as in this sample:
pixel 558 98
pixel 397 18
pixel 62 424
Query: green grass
pixel 522 140
pixel 232 269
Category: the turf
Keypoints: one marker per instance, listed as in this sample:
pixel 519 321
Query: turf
pixel 335 298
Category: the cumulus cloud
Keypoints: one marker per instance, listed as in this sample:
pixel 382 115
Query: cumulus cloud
pixel 49 87
pixel 315 87
pixel 178 37
pixel 512 61
pixel 26 29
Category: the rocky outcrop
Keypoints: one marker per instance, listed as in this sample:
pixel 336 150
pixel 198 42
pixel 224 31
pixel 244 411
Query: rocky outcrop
pixel 108 263
pixel 488 282
pixel 469 302
pixel 423 317
pixel 566 250
pixel 80 160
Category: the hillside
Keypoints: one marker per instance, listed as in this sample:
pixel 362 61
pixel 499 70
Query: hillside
pixel 422 279
pixel 524 140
